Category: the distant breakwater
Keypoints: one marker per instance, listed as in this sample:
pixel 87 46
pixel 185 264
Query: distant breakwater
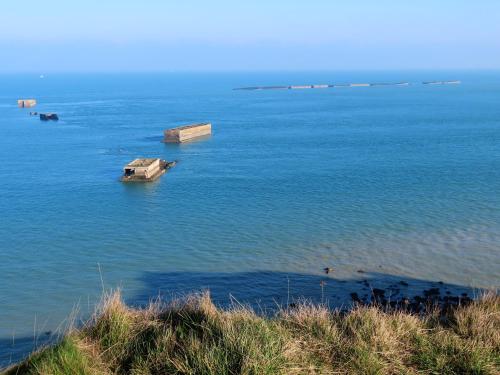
pixel 326 86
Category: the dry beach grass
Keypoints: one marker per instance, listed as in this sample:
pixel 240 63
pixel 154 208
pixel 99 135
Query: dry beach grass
pixel 192 336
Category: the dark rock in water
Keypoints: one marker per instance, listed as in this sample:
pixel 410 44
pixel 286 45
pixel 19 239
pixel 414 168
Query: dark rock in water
pixel 451 299
pixel 328 270
pixel 451 302
pixel 48 116
pixel 432 292
pixel 429 300
pixel 355 297
pixel 404 283
pixel 378 296
pixel 361 271
pixel 394 291
pixel 466 301
pixel 418 299
pixel 416 307
pixel 440 283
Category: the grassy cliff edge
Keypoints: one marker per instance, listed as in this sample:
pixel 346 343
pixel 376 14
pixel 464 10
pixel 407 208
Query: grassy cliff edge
pixel 192 336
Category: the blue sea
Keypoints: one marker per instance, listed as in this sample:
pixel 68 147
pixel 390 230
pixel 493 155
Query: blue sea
pixel 385 184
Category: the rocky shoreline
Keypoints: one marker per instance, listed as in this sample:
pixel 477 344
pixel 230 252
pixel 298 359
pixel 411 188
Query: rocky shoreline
pixel 396 297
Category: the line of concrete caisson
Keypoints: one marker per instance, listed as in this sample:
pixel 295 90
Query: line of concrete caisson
pixel 340 85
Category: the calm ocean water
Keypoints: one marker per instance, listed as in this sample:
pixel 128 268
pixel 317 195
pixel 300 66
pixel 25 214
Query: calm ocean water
pixel 400 182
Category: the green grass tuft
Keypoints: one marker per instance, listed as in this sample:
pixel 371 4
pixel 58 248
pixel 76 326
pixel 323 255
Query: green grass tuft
pixel 67 357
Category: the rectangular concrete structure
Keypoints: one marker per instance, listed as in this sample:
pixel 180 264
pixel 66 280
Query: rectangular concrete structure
pixel 145 169
pixel 142 169
pixel 187 133
pixel 26 103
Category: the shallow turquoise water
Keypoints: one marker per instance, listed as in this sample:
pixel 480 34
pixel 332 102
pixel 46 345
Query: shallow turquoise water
pixel 401 182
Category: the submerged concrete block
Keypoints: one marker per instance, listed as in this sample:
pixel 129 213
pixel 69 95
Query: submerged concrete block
pixel 26 103
pixel 187 133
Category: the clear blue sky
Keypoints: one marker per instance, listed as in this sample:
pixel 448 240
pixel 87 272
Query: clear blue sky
pixel 165 35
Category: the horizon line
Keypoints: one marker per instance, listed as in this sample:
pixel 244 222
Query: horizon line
pixel 168 71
